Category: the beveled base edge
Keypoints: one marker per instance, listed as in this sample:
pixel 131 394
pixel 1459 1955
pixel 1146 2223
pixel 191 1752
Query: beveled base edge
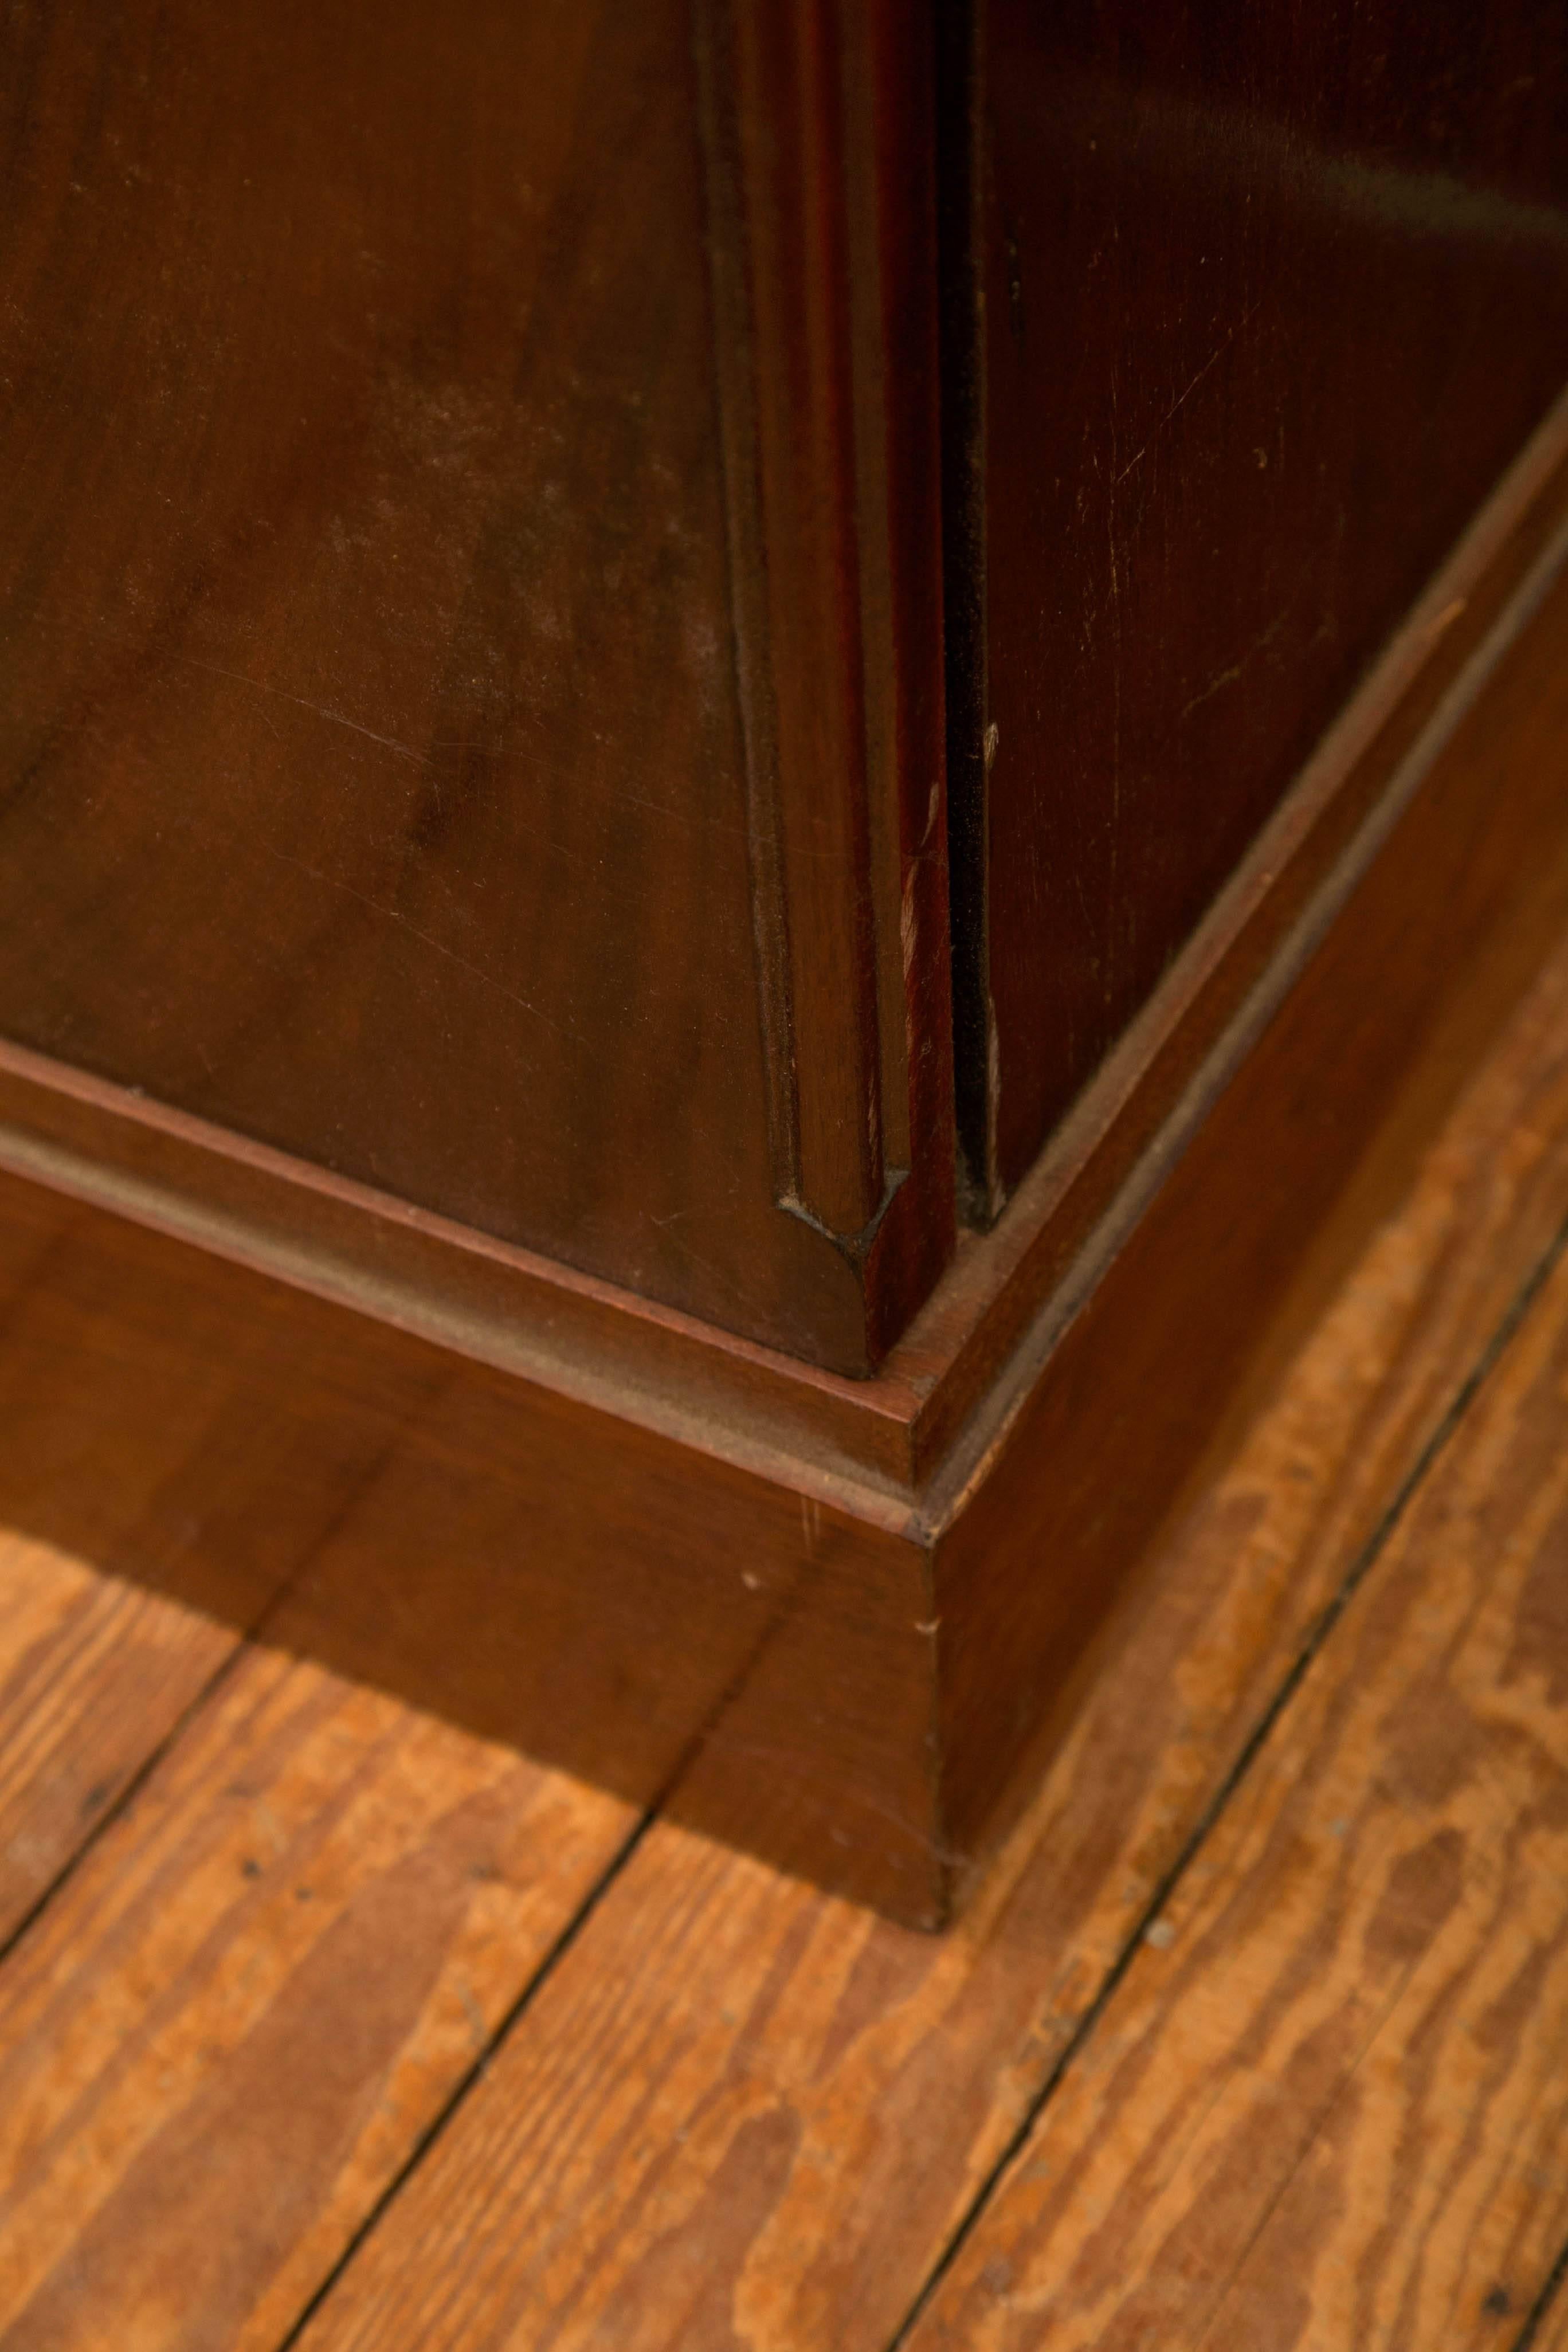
pixel 901 1431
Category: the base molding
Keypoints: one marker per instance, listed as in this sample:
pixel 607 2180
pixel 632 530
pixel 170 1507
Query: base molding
pixel 827 1620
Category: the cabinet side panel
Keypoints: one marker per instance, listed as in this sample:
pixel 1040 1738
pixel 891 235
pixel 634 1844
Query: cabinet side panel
pixel 1304 1149
pixel 371 774
pixel 1270 299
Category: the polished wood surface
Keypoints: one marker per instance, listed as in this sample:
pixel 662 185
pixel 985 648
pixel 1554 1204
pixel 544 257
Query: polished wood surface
pixel 1210 1279
pixel 820 123
pixel 854 1675
pixel 473 611
pixel 734 2112
pixel 376 779
pixel 489 477
pixel 1248 310
pixel 523 1312
pixel 484 1545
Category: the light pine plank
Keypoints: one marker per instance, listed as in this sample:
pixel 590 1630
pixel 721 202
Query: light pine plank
pixel 741 2116
pixel 1328 2104
pixel 228 2031
pixel 93 1675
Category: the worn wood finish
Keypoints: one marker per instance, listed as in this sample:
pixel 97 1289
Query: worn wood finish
pixel 865 1667
pixel 1250 309
pixel 164 1483
pixel 742 2113
pixel 374 777
pixel 1369 1959
pixel 184 2152
pixel 528 566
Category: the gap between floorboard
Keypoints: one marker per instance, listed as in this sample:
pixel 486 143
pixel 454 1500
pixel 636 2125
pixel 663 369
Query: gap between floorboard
pixel 1541 2308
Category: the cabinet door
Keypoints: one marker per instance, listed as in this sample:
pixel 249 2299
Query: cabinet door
pixel 1247 310
pixel 470 618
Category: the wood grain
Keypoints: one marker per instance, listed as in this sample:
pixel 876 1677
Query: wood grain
pixel 373 774
pixel 517 1309
pixel 1131 1391
pixel 1550 2331
pixel 824 1619
pixel 819 128
pixel 1266 304
pixel 742 2115
pixel 531 1565
pixel 1328 2102
pixel 233 2023
pixel 94 1671
pixel 94 1674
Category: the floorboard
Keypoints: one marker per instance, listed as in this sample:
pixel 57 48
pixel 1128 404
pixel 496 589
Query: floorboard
pixel 94 1677
pixel 742 2115
pixel 1327 2103
pixel 253 1997
pixel 326 2026
pixel 1547 2328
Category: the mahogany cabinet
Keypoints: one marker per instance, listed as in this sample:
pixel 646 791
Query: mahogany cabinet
pixel 472 621
pixel 760 759
pixel 1257 304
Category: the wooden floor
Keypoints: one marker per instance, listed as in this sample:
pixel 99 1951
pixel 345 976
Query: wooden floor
pixel 323 2025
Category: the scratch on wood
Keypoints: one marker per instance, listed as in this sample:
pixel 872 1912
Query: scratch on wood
pixel 377 906
pixel 1182 398
pixel 301 702
pixel 1229 676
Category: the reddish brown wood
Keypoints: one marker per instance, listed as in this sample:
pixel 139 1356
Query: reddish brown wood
pixel 523 1312
pixel 375 785
pixel 615 1597
pixel 1098 1429
pixel 736 2110
pixel 848 1673
pixel 618 485
pixel 820 132
pixel 1268 299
